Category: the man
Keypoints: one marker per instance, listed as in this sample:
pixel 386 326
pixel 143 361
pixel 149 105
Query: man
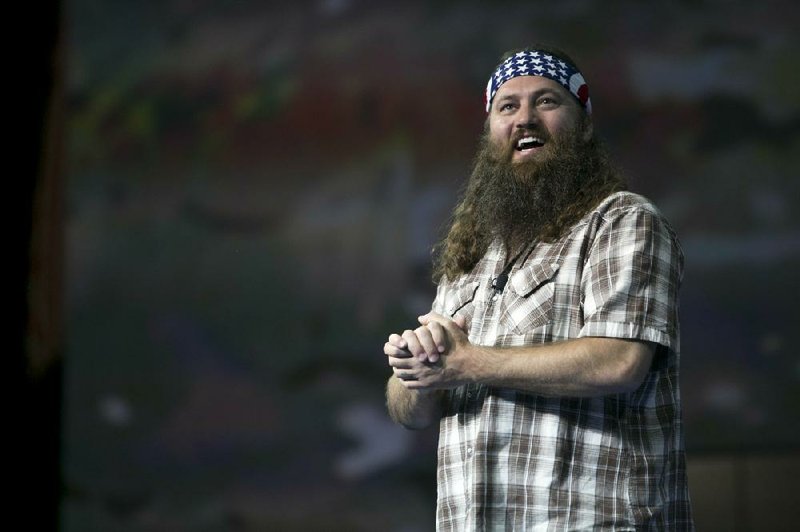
pixel 551 354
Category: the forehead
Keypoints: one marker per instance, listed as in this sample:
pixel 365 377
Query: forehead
pixel 522 85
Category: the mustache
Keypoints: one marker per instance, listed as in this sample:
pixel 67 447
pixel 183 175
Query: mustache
pixel 503 150
pixel 529 130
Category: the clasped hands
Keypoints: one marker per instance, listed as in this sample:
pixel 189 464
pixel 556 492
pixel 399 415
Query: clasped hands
pixel 432 356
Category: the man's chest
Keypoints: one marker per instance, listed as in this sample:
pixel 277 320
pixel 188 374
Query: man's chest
pixel 540 301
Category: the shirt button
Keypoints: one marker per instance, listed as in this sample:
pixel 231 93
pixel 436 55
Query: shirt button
pixel 469 451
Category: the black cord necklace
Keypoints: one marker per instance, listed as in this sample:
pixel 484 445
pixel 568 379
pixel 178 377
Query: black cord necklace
pixel 499 282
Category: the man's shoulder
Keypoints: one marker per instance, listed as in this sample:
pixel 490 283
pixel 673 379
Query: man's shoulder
pixel 630 215
pixel 624 213
pixel 626 207
pixel 624 202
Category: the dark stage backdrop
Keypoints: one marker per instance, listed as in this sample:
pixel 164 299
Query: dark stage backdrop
pixel 252 193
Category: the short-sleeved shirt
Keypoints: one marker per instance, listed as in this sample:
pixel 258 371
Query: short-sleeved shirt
pixel 515 460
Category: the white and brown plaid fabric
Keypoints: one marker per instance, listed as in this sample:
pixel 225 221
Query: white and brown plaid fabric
pixel 510 460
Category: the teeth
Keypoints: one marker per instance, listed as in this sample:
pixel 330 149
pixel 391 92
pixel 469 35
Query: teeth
pixel 528 142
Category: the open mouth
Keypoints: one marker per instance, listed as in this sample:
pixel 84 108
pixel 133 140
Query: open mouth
pixel 529 143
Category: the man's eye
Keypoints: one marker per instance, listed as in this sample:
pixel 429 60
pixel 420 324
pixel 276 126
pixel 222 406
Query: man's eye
pixel 506 107
pixel 547 101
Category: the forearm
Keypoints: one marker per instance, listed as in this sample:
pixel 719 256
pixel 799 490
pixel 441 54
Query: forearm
pixel 584 367
pixel 414 409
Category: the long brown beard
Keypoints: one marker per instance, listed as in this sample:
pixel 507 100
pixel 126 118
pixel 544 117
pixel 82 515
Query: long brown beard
pixel 522 203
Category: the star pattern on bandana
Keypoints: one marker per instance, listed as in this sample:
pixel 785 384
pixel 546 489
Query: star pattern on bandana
pixel 535 63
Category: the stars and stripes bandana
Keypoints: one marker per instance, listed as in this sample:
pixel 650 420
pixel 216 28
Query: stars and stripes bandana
pixel 536 63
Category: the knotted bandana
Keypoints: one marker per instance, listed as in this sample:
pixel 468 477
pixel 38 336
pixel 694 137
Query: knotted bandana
pixel 535 63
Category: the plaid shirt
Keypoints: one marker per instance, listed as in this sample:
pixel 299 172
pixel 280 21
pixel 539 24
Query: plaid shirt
pixel 511 460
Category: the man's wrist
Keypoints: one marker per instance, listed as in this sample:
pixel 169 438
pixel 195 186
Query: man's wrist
pixel 475 364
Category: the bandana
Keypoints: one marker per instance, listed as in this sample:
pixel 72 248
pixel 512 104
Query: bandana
pixel 539 64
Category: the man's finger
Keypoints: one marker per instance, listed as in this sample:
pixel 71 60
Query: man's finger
pixel 459 321
pixel 425 319
pixel 439 336
pixel 433 317
pixel 394 351
pixel 404 374
pixel 427 342
pixel 413 346
pixel 397 340
pixel 400 363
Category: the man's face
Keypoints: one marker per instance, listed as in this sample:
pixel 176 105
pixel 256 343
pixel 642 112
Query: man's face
pixel 530 112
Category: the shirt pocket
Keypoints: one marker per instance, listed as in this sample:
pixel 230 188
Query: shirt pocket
pixel 529 302
pixel 459 301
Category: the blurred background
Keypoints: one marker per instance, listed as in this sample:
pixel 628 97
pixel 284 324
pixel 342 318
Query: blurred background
pixel 235 202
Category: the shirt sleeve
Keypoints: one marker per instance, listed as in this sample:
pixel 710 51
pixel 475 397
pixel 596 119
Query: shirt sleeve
pixel 631 278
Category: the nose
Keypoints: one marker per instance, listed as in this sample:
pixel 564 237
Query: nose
pixel 527 117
